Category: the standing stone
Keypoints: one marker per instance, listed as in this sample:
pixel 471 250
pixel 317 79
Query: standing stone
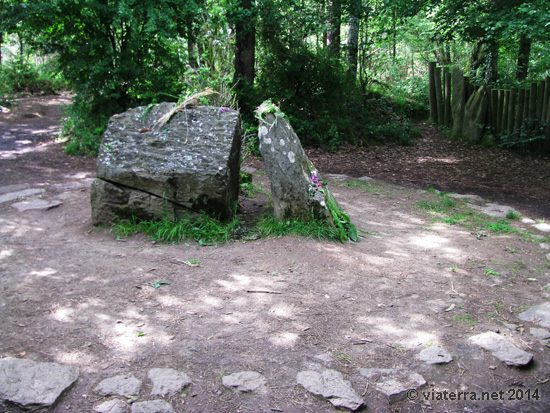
pixel 458 101
pixel 34 385
pixel 296 188
pixel 191 163
pixel 502 349
pixel 289 171
pixel 331 385
pixel 475 114
pixel 166 381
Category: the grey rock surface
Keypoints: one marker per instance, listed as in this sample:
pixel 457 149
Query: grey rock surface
pixel 36 204
pixel 494 210
pixel 33 384
pixel 542 334
pixel 13 188
pixel 474 199
pixel 123 385
pixel 539 314
pixel 166 381
pixel 193 161
pixel 12 196
pixel 502 349
pixel 112 406
pixel 331 385
pixel 246 381
pixel 542 226
pixel 475 113
pixel 394 383
pixel 153 406
pixel 434 355
pixel 290 172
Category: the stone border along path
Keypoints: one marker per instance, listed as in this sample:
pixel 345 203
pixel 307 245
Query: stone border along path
pixel 32 384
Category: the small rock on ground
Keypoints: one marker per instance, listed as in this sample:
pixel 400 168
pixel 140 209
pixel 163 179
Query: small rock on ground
pixel 331 385
pixel 435 355
pixel 123 385
pixel 112 406
pixel 166 381
pixel 153 406
pixel 539 314
pixel 11 196
pixel 394 383
pixel 502 349
pixel 494 210
pixel 33 384
pixel 246 381
pixel 36 204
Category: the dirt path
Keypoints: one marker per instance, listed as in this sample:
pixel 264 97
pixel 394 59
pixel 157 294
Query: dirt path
pixel 76 295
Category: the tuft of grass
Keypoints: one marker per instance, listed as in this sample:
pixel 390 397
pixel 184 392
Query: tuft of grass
pixel 491 272
pixel 203 229
pixel 465 319
pixel 513 215
pixel 268 225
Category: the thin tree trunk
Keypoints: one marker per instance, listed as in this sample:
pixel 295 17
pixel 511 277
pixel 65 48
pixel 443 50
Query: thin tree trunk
pixel 1 42
pixel 491 73
pixel 334 27
pixel 353 45
pixel 523 58
pixel 245 54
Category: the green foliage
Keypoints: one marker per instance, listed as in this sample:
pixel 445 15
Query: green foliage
pixel 24 76
pixel 268 226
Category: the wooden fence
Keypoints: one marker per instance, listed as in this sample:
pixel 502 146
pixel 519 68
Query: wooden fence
pixel 507 110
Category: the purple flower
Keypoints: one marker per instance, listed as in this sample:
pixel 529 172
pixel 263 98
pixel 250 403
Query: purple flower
pixel 223 109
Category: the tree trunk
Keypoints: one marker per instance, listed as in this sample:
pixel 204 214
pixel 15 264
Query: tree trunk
pixel 1 42
pixel 334 27
pixel 491 71
pixel 245 52
pixel 191 43
pixel 353 45
pixel 523 58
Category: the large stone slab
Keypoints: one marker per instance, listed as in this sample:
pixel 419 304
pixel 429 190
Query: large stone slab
pixel 394 383
pixel 539 314
pixel 36 204
pixel 192 161
pixel 475 114
pixel 502 349
pixel 167 381
pixel 331 385
pixel 32 384
pixel 246 381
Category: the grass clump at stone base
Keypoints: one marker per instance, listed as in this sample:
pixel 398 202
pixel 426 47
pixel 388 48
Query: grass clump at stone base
pixel 207 230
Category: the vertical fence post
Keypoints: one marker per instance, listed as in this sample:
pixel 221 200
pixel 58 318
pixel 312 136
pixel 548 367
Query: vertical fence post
pixel 546 101
pixel 447 82
pixel 533 101
pixel 526 104
pixel 541 87
pixel 494 109
pixel 512 109
pixel 439 96
pixel 519 110
pixel 500 106
pixel 433 102
pixel 505 105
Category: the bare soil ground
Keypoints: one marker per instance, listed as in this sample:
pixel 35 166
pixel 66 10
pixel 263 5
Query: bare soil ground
pixel 75 294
